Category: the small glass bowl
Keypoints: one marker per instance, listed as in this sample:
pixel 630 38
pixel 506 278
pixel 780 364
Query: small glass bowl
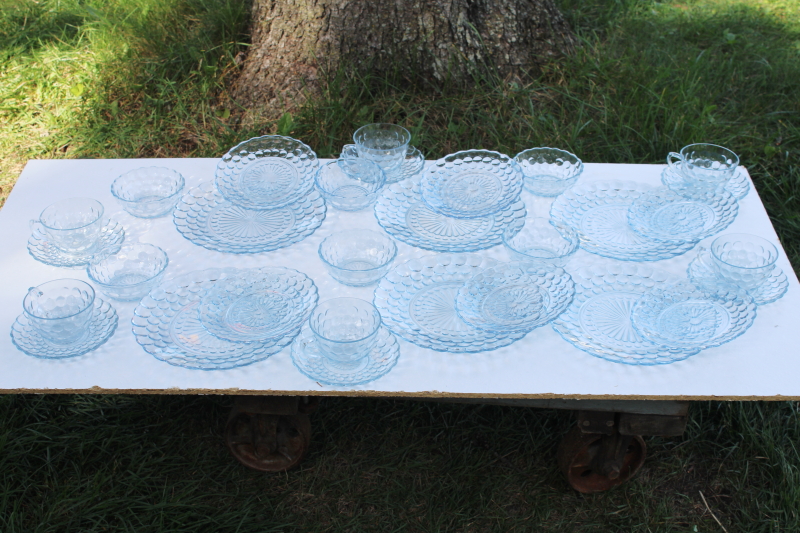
pixel 357 257
pixel 549 171
pixel 350 184
pixel 542 241
pixel 129 274
pixel 345 328
pixel 148 192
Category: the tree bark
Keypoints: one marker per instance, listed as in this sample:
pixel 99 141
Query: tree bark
pixel 296 43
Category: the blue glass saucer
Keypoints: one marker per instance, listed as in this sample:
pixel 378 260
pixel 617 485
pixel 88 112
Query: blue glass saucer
pixel 411 166
pixel 112 235
pixel 102 325
pixel 308 359
pixel 166 323
pixel 599 319
pixel 205 218
pixel 738 185
pixel 417 301
pixel 599 212
pixel 402 213
pixel 702 273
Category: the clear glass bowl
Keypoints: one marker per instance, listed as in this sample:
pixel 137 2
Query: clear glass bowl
pixel 130 273
pixel 471 184
pixel 350 184
pixel 357 257
pixel 549 171
pixel 259 304
pixel 148 192
pixel 266 172
pixel 345 329
pixel 542 241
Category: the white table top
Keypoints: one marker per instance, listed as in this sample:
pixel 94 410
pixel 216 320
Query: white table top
pixel 764 363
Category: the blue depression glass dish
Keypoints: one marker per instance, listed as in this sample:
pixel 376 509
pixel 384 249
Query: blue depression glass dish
pixel 542 241
pixel 111 236
pixel 738 185
pixel 100 327
pixel 417 301
pixel 684 316
pixel 663 214
pixel 411 166
pixel 516 296
pixel 402 213
pixel 258 304
pixel 598 321
pixel 599 213
pixel 167 325
pixel 310 361
pixel 148 192
pixel 266 172
pixel 208 220
pixel 130 273
pixel 704 274
pixel 471 184
pixel 549 171
pixel 357 257
pixel 350 184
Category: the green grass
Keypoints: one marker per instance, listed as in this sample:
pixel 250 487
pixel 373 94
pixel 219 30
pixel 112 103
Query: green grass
pixel 148 78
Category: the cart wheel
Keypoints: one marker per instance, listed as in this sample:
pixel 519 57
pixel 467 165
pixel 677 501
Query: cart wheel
pixel 269 443
pixel 593 462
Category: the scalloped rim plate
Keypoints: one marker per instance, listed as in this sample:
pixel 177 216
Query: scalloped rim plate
pixel 112 235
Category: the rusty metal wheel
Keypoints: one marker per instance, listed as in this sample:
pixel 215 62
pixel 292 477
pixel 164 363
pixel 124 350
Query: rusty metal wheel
pixel 268 442
pixel 593 462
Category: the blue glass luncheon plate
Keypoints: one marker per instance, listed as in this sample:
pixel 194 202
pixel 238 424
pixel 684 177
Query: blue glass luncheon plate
pixel 417 301
pixel 258 304
pixel 101 326
pixel 166 323
pixel 663 214
pixel 599 319
pixel 684 316
pixel 308 359
pixel 516 296
pixel 599 212
pixel 703 274
pixel 472 184
pixel 205 218
pixel 738 185
pixel 111 236
pixel 402 213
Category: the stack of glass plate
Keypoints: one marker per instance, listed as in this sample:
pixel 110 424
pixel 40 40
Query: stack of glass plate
pixel 217 319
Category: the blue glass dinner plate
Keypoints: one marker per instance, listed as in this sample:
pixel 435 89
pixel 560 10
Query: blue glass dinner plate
pixel 599 213
pixel 308 359
pixel 101 326
pixel 417 301
pixel 205 218
pixel 402 213
pixel 702 273
pixel 112 234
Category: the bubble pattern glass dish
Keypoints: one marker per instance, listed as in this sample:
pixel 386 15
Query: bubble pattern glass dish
pixel 515 296
pixel 738 185
pixel 205 218
pixel 599 213
pixel 743 259
pixel 598 321
pixel 684 316
pixel 258 304
pixel 166 324
pixel 417 301
pixel 357 257
pixel 663 214
pixel 402 213
pixel 411 166
pixel 309 360
pixel 101 326
pixel 702 273
pixel 148 192
pixel 350 184
pixel 541 241
pixel 130 273
pixel 471 184
pixel 266 172
pixel 112 234
pixel 549 171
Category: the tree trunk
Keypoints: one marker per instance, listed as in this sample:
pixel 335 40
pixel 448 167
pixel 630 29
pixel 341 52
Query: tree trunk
pixel 296 43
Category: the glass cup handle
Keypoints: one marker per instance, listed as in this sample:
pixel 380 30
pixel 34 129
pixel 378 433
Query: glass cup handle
pixel 349 151
pixel 670 162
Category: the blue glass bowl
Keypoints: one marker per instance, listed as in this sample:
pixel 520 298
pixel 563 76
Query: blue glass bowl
pixel 516 296
pixel 148 192
pixel 350 184
pixel 130 273
pixel 259 304
pixel 665 215
pixel 599 213
pixel 542 241
pixel 402 213
pixel 471 184
pixel 266 172
pixel 357 257
pixel 549 171
pixel 702 273
pixel 683 316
